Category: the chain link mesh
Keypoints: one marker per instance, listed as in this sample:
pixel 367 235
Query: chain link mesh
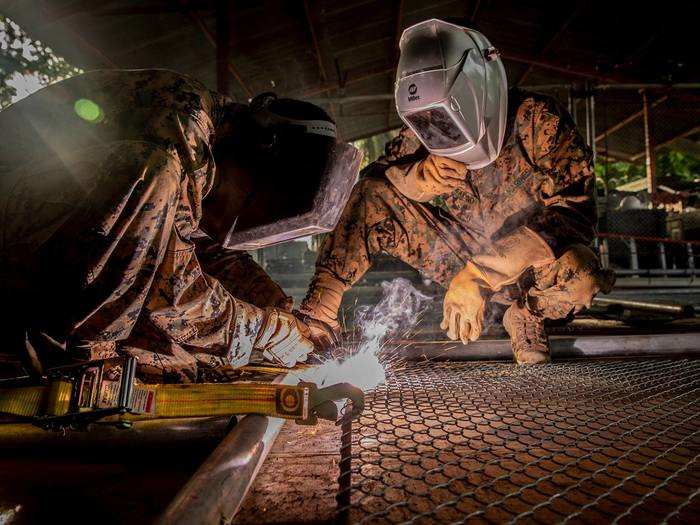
pixel 577 442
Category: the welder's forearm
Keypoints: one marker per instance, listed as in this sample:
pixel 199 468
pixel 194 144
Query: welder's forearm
pixel 240 275
pixel 508 257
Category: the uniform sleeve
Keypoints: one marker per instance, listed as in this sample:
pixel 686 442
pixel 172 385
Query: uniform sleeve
pixel 144 284
pixel 241 275
pixel 398 164
pixel 566 163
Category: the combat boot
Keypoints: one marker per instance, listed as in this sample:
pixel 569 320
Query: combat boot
pixel 528 337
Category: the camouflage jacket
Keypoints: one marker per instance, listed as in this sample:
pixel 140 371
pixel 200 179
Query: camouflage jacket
pixel 102 178
pixel 543 177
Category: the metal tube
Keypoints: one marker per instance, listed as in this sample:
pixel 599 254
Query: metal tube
pixel 605 254
pixel 691 257
pixel 634 259
pixel 638 86
pixel 678 310
pixel 345 471
pixel 658 271
pixel 158 433
pixel 215 492
pixel 666 345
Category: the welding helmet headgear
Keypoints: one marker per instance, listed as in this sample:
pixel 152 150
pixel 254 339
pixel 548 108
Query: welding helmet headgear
pixel 451 90
pixel 303 176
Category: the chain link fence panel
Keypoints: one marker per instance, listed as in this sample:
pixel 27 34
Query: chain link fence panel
pixel 614 441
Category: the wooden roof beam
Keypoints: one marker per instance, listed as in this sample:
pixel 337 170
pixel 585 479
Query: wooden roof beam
pixel 551 42
pixel 686 133
pixel 211 38
pixel 631 118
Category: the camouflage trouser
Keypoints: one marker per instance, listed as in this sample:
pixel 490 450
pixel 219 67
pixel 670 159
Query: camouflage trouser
pixel 379 219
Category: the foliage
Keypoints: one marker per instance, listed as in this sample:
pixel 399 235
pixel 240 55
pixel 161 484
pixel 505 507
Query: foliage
pixel 672 165
pixel 372 147
pixel 679 165
pixel 22 55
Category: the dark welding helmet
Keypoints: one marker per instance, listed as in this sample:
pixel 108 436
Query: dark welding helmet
pixel 451 90
pixel 303 174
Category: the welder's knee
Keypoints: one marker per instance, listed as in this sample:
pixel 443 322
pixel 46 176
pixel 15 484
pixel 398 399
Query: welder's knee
pixel 580 267
pixel 569 284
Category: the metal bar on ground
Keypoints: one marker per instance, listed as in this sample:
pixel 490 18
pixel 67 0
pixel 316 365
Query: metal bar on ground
pixel 666 345
pixel 216 491
pixel 678 310
pixel 345 471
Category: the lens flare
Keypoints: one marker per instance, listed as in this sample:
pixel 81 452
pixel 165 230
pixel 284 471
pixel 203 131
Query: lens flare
pixel 88 110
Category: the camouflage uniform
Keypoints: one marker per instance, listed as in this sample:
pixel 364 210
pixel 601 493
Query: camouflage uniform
pixel 100 243
pixel 543 179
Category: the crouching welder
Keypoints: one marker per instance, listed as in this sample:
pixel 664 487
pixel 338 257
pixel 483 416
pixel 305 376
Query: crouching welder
pixel 486 191
pixel 121 191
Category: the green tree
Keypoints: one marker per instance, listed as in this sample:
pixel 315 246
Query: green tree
pixel 22 55
pixel 372 147
pixel 672 165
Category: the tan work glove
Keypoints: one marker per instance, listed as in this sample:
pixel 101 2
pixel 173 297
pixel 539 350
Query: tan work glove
pixel 500 264
pixel 283 339
pixel 428 178
pixel 464 305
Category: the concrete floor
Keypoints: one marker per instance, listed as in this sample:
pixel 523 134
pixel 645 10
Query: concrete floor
pixel 298 481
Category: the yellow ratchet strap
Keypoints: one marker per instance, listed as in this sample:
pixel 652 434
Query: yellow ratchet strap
pixel 165 401
pixel 77 395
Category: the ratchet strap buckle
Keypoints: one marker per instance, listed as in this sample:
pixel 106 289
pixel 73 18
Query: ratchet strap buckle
pixel 79 394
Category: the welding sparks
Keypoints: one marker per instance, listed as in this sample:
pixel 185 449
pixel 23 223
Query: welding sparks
pixel 363 366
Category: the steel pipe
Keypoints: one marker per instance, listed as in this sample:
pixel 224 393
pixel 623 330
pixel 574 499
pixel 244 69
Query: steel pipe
pixel 159 433
pixel 658 345
pixel 217 489
pixel 215 492
pixel 674 309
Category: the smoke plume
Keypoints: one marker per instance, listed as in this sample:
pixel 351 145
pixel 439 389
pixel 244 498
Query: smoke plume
pixel 395 314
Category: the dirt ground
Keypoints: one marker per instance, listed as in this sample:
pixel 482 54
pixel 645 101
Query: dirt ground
pixel 303 461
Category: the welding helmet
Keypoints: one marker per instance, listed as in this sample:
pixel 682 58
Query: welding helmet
pixel 303 175
pixel 451 90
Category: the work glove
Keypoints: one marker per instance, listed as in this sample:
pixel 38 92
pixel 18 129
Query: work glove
pixel 324 336
pixel 501 263
pixel 464 305
pixel 319 309
pixel 428 178
pixel 283 338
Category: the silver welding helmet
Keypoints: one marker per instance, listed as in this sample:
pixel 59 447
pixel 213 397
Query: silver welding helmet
pixel 304 175
pixel 451 90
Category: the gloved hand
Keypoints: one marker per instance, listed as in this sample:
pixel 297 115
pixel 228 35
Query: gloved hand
pixel 428 178
pixel 464 305
pixel 323 335
pixel 283 338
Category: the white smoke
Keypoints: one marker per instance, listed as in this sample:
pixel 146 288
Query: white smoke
pixel 396 314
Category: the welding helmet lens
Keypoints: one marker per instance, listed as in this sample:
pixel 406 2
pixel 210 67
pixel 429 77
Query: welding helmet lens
pixel 436 128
